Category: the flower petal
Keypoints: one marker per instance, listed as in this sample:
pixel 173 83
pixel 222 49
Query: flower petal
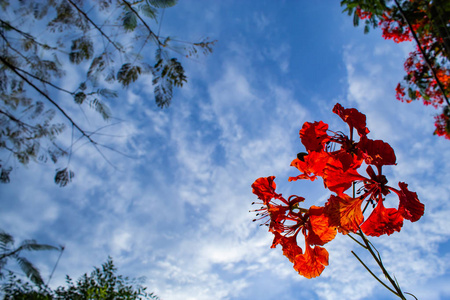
pixel 377 152
pixel 382 221
pixel 320 231
pixel 312 263
pixel 344 212
pixel 410 206
pixel 264 188
pixel 340 173
pixel 289 245
pixel 311 165
pixel 314 135
pixel 353 118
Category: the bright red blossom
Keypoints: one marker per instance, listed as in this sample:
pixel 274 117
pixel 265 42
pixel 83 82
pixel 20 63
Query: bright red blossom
pixel 353 118
pixel 382 221
pixel 286 220
pixel 344 213
pixel 336 158
pixel 410 206
pixel 314 136
pixel 420 80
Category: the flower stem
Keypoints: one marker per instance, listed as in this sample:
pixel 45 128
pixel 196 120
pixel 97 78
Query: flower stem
pixel 374 276
pixel 356 241
pixel 369 246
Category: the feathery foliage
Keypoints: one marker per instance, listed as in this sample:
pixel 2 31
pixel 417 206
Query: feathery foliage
pixel 8 251
pixel 104 41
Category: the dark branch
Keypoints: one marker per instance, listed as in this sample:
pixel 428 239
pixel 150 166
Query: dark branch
pixel 95 25
pixel 422 51
pixel 143 22
pixel 13 68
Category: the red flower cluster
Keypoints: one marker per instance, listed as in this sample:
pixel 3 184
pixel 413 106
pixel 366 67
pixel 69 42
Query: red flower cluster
pixel 419 83
pixel 442 123
pixel 339 169
pixel 395 30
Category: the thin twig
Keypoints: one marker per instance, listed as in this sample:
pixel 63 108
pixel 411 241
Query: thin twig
pixel 370 271
pixel 143 22
pixel 56 264
pixel 95 25
pixel 27 35
pixel 13 68
pixel 358 242
pixel 380 264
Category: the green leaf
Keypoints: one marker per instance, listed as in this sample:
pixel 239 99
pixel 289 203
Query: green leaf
pixel 82 49
pixel 162 3
pixel 101 108
pixel 31 271
pixel 128 74
pixel 166 75
pixel 4 4
pixel 79 97
pixel 149 11
pixel 32 245
pixel 63 176
pixel 5 239
pixel 107 93
pixel 129 21
pixel 355 19
pixel 97 66
pixel 4 175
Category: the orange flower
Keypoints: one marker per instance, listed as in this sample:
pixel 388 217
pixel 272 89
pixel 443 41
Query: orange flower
pixel 311 165
pixel 410 206
pixel 314 136
pixel 382 221
pixel 339 170
pixel 286 219
pixel 312 263
pixel 344 212
pixel 353 118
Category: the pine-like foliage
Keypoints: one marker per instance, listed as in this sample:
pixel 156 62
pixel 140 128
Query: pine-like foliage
pixel 105 41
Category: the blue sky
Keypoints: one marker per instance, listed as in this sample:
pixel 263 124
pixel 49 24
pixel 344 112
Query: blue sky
pixel 177 212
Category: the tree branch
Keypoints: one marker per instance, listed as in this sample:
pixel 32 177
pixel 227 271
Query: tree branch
pixel 143 22
pixel 13 68
pixel 422 51
pixel 95 25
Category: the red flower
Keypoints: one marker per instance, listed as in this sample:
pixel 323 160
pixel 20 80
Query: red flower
pixel 382 221
pixel 442 123
pixel 410 206
pixel 275 213
pixel 309 264
pixel 311 165
pixel 339 171
pixel 344 213
pixel 288 244
pixel 286 220
pixel 317 229
pixel 377 152
pixel 363 14
pixel 314 136
pixel 312 262
pixel 353 118
pixel 264 188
